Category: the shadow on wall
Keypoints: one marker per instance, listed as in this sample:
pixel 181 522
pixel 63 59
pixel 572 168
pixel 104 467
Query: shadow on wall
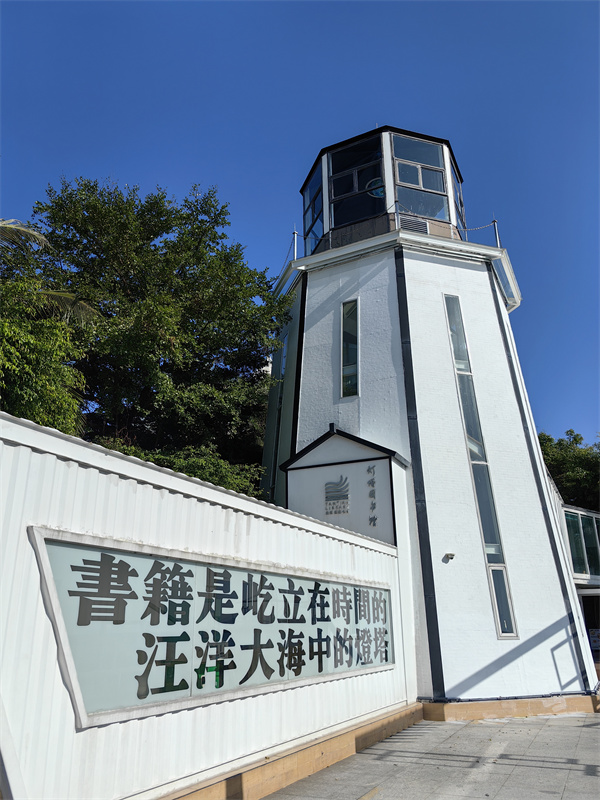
pixel 562 624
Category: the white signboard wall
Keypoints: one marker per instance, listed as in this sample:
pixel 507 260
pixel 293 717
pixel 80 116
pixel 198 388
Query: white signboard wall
pixel 139 629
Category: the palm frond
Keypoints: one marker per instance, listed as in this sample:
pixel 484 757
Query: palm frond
pixel 69 307
pixel 14 233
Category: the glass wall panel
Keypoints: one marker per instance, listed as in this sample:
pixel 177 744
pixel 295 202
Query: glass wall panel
pixel 590 540
pixel 423 204
pixel 356 155
pixel 455 182
pixel 419 151
pixel 502 601
pixel 313 186
pixel 432 179
pixel 314 235
pixel 458 198
pixel 318 204
pixel 370 178
pixel 343 185
pixel 313 211
pixel 357 207
pixel 350 349
pixel 408 173
pixel 576 544
pixel 457 334
pixel 487 514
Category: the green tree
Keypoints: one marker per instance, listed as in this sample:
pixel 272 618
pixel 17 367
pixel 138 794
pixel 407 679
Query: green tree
pixel 37 378
pixel 176 364
pixel 575 468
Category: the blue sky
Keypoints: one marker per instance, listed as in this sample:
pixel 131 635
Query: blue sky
pixel 243 94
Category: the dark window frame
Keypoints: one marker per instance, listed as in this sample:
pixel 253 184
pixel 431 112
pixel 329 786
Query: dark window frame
pixel 420 167
pixel 309 211
pixel 350 369
pixel 353 171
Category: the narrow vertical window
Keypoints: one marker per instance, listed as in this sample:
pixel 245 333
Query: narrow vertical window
pixel 502 602
pixel 350 348
pixel 488 520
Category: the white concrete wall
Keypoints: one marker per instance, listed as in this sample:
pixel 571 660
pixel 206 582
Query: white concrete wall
pixel 55 481
pixel 476 662
pixel 281 438
pixel 378 414
pixel 417 663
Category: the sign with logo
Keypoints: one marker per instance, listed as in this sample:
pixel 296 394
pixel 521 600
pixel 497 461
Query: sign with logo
pixel 354 495
pixel 337 496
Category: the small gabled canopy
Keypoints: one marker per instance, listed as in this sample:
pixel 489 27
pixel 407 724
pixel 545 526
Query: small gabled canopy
pixel 345 448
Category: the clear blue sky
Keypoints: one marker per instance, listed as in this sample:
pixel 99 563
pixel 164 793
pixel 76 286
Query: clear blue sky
pixel 243 95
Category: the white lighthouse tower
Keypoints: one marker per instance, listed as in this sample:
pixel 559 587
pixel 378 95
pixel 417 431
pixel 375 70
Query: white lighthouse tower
pixel 401 414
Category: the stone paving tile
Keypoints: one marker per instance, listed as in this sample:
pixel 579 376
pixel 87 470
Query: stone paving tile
pixel 515 793
pixel 395 788
pixel 316 792
pixel 537 778
pixel 568 795
pixel 588 757
pixel 484 785
pixel 584 781
pixel 537 758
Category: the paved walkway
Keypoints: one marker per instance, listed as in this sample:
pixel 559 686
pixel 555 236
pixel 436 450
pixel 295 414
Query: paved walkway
pixel 536 758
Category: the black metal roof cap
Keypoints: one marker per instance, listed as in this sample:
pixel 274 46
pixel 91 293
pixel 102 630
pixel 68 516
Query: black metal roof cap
pixel 335 431
pixel 380 129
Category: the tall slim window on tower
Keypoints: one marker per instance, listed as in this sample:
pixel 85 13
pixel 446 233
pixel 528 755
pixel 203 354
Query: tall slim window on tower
pixel 488 520
pixel 350 348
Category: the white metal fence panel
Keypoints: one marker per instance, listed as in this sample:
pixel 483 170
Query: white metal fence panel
pixel 57 482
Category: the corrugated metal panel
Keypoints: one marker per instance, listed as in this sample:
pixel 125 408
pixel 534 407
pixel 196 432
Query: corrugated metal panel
pixel 55 481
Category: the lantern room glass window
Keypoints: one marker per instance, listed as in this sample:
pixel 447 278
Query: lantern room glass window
pixel 419 151
pixel 458 201
pixel 421 182
pixel 313 211
pixel 364 152
pixel 422 204
pixel 357 189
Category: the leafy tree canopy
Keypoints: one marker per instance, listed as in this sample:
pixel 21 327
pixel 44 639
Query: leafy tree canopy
pixel 184 327
pixel 575 468
pixel 37 378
